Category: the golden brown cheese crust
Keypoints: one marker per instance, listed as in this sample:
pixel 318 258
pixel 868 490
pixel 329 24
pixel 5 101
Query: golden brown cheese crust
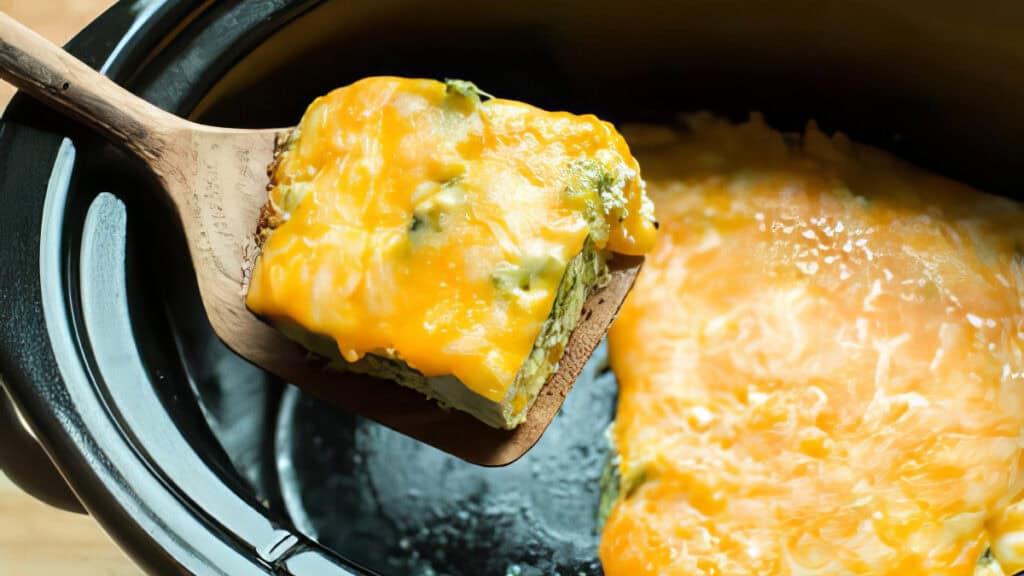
pixel 552 275
pixel 819 367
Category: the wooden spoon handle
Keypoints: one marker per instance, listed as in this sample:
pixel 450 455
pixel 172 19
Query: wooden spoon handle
pixel 60 80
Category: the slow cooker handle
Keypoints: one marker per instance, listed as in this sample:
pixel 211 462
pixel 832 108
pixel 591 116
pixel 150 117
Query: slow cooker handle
pixel 23 460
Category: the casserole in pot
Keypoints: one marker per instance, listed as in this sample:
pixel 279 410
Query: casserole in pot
pixel 188 456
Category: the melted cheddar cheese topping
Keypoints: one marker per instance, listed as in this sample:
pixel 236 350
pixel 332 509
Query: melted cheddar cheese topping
pixel 424 224
pixel 821 366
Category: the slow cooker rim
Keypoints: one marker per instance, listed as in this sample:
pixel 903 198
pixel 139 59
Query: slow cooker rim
pixel 82 438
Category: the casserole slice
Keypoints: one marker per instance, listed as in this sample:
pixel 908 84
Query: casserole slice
pixel 428 234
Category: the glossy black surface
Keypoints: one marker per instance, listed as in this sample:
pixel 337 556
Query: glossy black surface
pixel 422 511
pixel 89 352
pixel 170 440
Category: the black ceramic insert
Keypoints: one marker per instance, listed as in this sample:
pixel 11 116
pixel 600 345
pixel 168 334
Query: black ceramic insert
pixel 189 456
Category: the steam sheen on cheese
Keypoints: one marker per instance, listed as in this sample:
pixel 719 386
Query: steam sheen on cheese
pixel 413 221
pixel 821 366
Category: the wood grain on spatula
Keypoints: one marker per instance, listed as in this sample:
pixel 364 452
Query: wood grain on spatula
pixel 216 179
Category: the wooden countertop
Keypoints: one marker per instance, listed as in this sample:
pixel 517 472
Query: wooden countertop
pixel 35 539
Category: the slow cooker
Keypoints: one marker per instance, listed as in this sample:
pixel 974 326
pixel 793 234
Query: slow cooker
pixel 120 402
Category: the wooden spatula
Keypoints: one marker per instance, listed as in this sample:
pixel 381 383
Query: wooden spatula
pixel 217 180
